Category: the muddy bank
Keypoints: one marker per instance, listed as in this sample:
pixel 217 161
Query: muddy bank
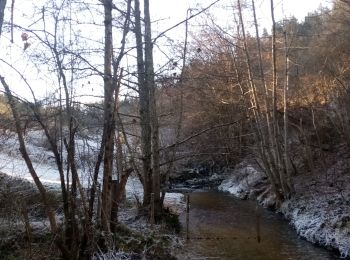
pixel 320 209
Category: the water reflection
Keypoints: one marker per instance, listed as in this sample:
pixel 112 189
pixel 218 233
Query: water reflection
pixel 222 227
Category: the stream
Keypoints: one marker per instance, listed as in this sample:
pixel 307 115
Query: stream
pixel 223 227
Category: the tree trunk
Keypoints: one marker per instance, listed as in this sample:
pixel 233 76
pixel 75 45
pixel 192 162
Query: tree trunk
pixel 144 111
pixel 2 13
pixel 262 139
pixel 118 188
pixel 22 147
pixel 277 154
pixel 109 124
pixel 150 82
pixel 285 119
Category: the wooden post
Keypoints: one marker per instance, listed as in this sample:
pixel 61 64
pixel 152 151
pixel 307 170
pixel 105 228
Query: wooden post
pixel 152 210
pixel 258 237
pixel 187 216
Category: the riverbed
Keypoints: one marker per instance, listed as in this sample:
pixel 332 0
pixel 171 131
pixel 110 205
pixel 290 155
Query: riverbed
pixel 223 227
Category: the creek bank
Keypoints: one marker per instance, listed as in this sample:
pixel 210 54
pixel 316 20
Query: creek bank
pixel 320 209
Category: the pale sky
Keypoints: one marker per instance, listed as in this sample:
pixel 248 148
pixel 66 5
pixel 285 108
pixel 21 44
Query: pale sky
pixel 172 11
pixel 165 13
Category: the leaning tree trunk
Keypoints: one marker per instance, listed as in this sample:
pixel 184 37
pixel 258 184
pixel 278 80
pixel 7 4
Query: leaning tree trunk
pixel 42 190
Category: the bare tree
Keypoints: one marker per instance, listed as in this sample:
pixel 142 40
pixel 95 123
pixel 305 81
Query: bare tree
pixel 109 122
pixel 37 181
pixel 2 13
pixel 150 82
pixel 61 127
pixel 144 97
pixel 111 90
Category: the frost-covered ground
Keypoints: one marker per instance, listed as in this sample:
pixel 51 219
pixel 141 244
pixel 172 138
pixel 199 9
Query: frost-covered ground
pixel 11 163
pixel 320 210
pixel 42 158
pixel 245 178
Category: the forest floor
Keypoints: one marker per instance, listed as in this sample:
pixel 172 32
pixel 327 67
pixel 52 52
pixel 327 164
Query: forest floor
pixel 320 209
pixel 20 200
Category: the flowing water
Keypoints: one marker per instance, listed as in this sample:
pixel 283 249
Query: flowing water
pixel 222 227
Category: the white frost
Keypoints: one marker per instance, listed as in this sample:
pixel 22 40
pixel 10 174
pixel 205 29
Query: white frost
pixel 318 211
pixel 243 178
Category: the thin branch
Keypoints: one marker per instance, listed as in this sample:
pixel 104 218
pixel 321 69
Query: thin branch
pixel 202 132
pixel 184 21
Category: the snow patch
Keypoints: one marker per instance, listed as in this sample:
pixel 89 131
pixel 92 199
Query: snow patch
pixel 173 200
pixel 313 222
pixel 242 180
